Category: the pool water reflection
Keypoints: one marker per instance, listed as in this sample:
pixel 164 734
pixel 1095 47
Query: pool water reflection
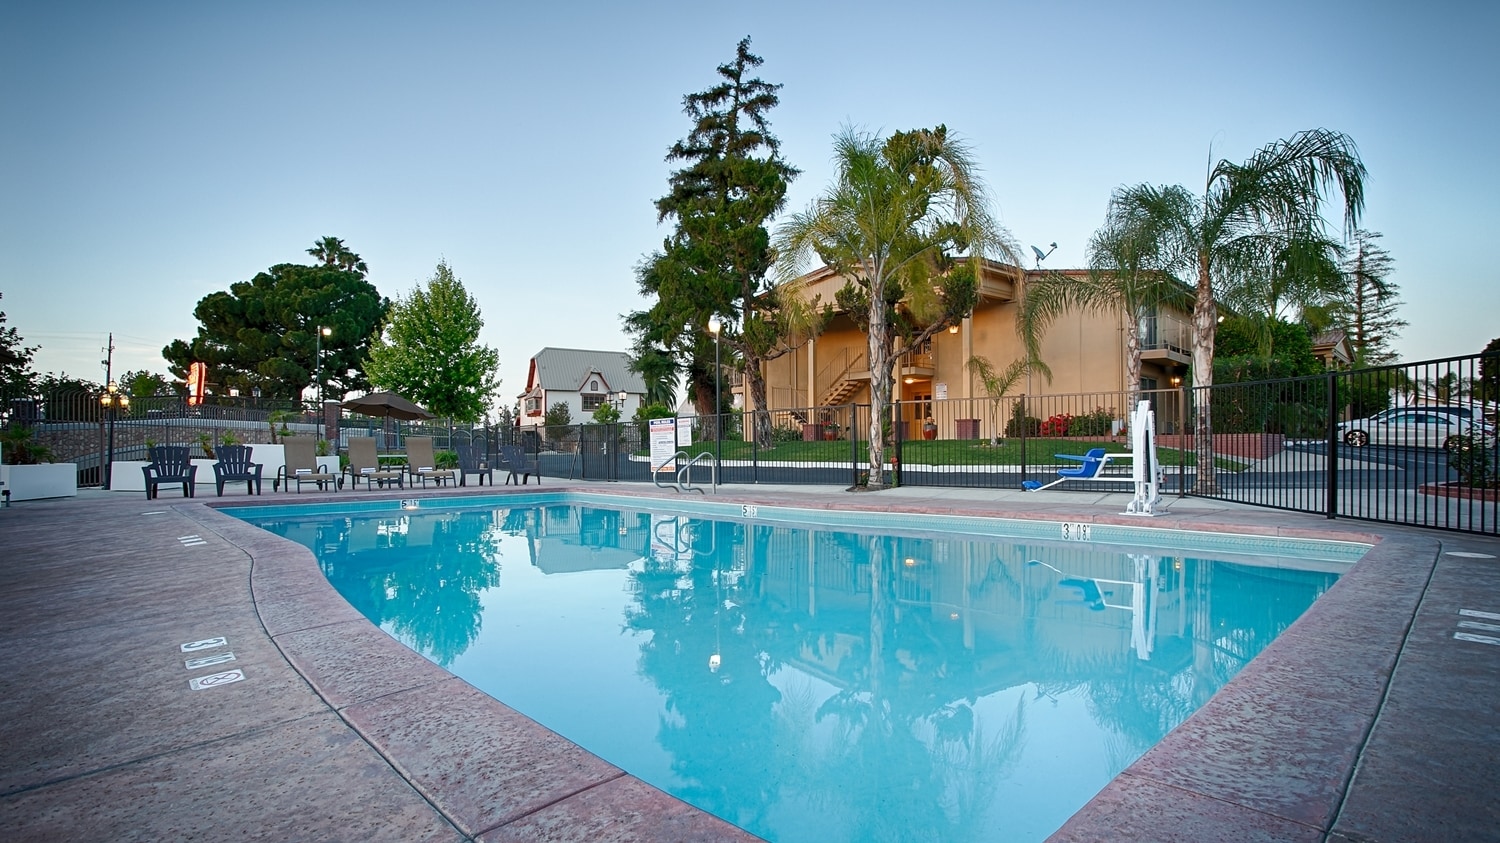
pixel 816 685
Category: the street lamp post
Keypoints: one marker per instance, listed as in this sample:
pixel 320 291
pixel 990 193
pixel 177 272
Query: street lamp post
pixel 112 400
pixel 318 354
pixel 715 326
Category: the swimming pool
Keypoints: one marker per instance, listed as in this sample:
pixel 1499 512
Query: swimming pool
pixel 810 683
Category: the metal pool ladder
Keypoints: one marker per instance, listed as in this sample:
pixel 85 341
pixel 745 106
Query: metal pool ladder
pixel 684 479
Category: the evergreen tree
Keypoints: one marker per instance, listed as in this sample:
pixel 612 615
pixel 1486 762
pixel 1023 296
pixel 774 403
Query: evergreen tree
pixel 1367 306
pixel 716 261
pixel 429 351
pixel 265 332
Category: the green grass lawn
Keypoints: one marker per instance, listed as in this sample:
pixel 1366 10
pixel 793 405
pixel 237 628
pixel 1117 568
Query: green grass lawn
pixel 1039 451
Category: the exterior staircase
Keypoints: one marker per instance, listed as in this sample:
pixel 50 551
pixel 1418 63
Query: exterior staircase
pixel 841 390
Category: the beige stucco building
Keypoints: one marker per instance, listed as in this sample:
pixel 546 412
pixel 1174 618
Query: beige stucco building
pixel 1085 351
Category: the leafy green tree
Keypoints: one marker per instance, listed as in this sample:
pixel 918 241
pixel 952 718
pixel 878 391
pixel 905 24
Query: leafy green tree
pixel 559 422
pixel 16 376
pixel 897 212
pixel 1489 371
pixel 606 413
pixel 717 259
pixel 146 384
pixel 1246 213
pixel 429 351
pixel 264 332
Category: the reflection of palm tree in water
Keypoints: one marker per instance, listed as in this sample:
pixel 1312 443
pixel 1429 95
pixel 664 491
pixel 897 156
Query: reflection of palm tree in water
pixel 719 728
pixel 900 765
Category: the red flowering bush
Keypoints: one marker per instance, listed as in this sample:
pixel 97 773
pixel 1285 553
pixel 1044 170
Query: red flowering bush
pixel 1057 425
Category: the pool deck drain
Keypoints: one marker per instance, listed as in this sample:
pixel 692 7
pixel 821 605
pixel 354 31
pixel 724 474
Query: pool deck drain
pixel 1371 719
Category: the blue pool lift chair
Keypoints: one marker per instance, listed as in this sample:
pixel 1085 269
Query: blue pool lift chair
pixel 1091 468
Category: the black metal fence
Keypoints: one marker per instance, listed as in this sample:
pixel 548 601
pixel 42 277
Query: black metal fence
pixel 1409 444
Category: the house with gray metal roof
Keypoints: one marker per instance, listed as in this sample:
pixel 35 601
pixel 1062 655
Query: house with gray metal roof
pixel 583 380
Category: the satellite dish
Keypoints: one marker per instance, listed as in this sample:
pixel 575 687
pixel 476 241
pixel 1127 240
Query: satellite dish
pixel 1041 256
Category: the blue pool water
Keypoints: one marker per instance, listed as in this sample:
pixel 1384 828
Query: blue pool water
pixel 813 684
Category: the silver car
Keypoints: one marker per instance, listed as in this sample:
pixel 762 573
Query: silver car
pixel 1420 427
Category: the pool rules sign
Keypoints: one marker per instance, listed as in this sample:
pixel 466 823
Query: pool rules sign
pixel 663 444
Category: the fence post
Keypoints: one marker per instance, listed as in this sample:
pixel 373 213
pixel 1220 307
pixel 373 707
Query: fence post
pixel 1025 423
pixel 1332 504
pixel 854 444
pixel 896 424
pixel 1182 439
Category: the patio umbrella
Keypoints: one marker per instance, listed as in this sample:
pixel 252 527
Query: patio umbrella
pixel 387 404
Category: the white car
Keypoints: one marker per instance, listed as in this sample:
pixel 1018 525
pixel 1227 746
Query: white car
pixel 1420 427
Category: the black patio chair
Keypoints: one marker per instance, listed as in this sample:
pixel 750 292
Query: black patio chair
pixel 170 464
pixel 234 464
pixel 471 461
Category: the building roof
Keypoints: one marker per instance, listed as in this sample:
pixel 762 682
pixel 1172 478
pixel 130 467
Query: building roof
pixel 567 369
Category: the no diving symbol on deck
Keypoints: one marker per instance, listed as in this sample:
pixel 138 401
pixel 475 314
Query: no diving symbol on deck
pixel 214 680
pixel 205 644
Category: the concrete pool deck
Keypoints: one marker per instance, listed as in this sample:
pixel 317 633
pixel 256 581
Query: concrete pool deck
pixel 1368 720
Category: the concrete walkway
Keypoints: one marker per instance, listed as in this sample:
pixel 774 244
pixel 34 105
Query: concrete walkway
pixel 1374 718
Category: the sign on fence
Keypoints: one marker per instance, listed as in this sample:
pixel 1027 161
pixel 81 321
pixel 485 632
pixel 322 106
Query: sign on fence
pixel 663 444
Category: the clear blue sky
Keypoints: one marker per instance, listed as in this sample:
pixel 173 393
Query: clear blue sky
pixel 157 152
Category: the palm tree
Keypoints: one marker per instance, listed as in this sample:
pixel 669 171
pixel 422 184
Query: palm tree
pixel 1223 236
pixel 1127 273
pixel 331 251
pixel 1300 273
pixel 996 383
pixel 898 207
pixel 660 370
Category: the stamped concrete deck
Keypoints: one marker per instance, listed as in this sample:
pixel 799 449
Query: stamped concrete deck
pixel 1366 721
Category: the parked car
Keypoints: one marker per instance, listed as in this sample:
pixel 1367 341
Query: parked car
pixel 1420 427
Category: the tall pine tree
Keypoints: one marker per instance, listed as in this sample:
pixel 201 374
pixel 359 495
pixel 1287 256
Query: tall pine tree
pixel 716 261
pixel 1368 305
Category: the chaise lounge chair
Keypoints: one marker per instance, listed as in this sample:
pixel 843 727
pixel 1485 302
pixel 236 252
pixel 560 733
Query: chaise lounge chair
pixel 302 465
pixel 364 464
pixel 421 464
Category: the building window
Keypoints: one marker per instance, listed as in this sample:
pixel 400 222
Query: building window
pixel 593 386
pixel 534 406
pixel 592 402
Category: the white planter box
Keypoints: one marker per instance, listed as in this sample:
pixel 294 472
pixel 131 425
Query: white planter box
pixel 126 476
pixel 35 482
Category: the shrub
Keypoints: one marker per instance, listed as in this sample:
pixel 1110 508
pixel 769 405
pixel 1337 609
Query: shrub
pixel 786 434
pixel 1096 423
pixel 1057 425
pixel 21 447
pixel 1032 427
pixel 1474 462
pixel 445 459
